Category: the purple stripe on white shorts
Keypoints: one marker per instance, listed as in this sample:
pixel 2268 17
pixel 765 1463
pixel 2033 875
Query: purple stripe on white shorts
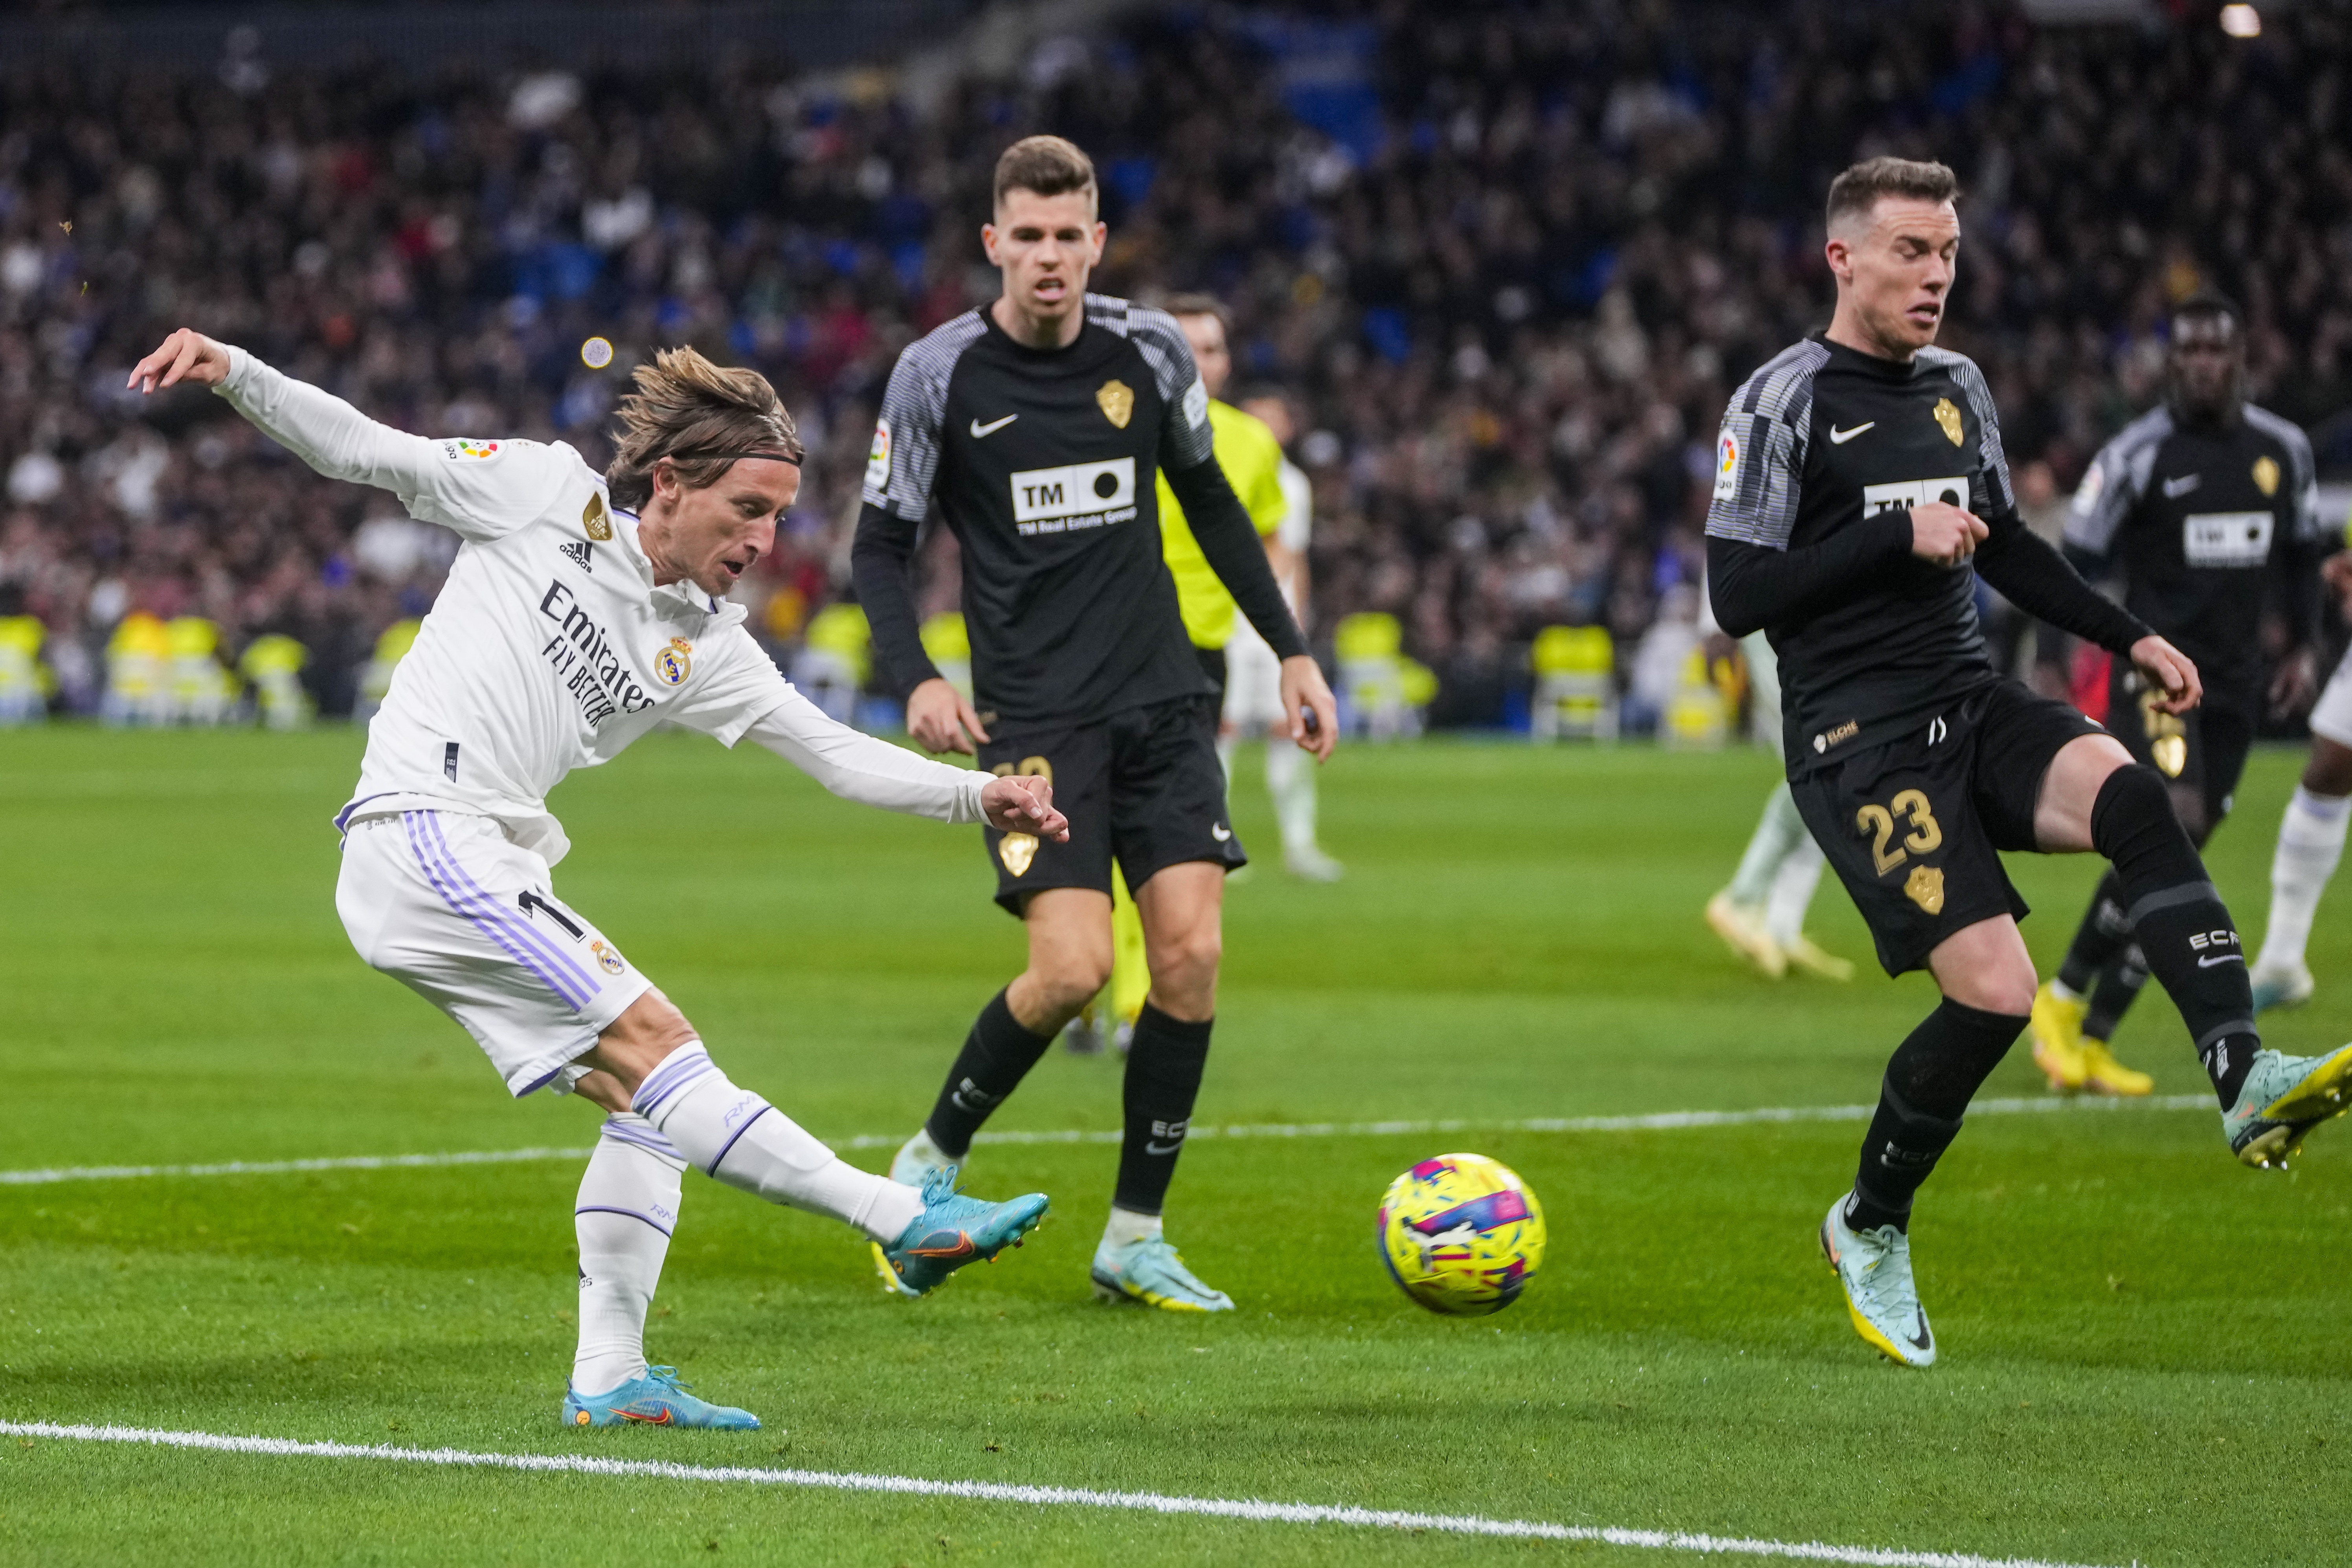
pixel 491 929
pixel 601 1208
pixel 520 926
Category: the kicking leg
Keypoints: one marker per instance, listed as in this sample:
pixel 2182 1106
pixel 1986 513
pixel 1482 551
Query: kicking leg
pixel 2310 843
pixel 2095 797
pixel 1988 983
pixel 734 1136
pixel 1182 907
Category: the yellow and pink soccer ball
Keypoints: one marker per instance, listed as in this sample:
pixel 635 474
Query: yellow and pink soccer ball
pixel 1462 1235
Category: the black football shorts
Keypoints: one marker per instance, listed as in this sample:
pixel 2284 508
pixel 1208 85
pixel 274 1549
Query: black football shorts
pixel 1915 826
pixel 1143 787
pixel 2202 750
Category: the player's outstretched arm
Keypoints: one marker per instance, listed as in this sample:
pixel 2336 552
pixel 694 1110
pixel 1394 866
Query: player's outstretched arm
pixel 857 766
pixel 339 441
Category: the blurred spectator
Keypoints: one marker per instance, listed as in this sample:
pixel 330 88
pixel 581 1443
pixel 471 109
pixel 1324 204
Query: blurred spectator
pixel 1509 260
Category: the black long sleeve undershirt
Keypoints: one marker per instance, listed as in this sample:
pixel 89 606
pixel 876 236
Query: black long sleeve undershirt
pixel 1752 586
pixel 878 561
pixel 1221 527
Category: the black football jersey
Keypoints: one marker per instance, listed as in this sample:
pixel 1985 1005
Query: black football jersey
pixel 1817 440
pixel 2203 521
pixel 1044 463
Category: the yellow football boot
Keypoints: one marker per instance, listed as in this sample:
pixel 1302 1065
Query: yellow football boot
pixel 1744 933
pixel 2102 1074
pixel 2057 1026
pixel 1804 956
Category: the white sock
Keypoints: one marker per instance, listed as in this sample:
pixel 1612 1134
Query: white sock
pixel 627 1209
pixel 2063 992
pixel 2310 842
pixel 1226 746
pixel 1792 890
pixel 737 1138
pixel 1127 1225
pixel 1776 831
pixel 1290 779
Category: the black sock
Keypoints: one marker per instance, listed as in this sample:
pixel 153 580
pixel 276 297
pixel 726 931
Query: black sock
pixel 1163 1077
pixel 2102 934
pixel 1930 1079
pixel 2179 921
pixel 996 1056
pixel 2118 987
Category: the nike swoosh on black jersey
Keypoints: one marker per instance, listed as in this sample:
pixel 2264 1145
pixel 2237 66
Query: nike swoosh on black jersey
pixel 1840 437
pixel 979 431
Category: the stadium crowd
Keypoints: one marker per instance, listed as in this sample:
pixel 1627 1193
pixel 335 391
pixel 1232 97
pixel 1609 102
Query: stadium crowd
pixel 1507 262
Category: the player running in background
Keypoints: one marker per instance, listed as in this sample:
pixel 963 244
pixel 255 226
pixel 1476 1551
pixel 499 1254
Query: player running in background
pixel 2208 505
pixel 581 611
pixel 2311 836
pixel 1236 660
pixel 1039 422
pixel 1761 915
pixel 1859 478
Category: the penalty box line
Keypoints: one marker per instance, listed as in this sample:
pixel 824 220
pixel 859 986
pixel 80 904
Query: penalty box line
pixel 1247 1510
pixel 1659 1121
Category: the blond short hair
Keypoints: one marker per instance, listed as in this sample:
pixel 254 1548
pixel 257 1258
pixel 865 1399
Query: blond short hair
pixel 699 416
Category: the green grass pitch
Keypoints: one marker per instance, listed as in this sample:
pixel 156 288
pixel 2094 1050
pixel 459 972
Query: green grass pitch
pixel 2144 1347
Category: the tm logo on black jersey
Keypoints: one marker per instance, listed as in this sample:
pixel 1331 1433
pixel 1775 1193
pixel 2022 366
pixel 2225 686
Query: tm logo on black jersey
pixel 1876 499
pixel 1081 496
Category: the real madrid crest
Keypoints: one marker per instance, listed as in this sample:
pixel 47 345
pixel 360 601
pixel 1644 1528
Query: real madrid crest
pixel 2267 474
pixel 1925 888
pixel 1117 400
pixel 674 663
pixel 1949 419
pixel 593 518
pixel 1017 850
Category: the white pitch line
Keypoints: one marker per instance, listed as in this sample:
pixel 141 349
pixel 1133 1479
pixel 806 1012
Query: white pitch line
pixel 1659 1121
pixel 1246 1509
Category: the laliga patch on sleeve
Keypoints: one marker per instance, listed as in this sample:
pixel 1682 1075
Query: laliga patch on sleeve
pixel 877 461
pixel 2087 493
pixel 1726 465
pixel 458 450
pixel 1196 403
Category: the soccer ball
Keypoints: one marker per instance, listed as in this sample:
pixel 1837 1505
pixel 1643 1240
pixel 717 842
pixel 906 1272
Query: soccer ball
pixel 1462 1235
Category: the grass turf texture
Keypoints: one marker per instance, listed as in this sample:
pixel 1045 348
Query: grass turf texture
pixel 2143 1354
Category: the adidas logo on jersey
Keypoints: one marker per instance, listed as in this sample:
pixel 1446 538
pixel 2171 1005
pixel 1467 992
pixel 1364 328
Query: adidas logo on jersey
pixel 583 555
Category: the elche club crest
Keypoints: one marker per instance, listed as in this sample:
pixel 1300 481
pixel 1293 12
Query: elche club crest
pixel 674 663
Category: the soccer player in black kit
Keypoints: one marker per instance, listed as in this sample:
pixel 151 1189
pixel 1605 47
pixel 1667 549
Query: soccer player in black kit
pixel 1859 480
pixel 1038 422
pixel 2208 507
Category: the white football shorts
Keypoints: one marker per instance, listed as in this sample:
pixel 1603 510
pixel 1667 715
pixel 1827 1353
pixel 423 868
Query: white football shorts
pixel 1253 685
pixel 443 903
pixel 2331 716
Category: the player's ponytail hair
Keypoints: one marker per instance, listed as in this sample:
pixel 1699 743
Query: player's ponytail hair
pixel 700 415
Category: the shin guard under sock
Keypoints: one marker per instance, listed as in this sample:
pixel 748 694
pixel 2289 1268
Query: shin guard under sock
pixel 1164 1063
pixel 1930 1081
pixel 623 1219
pixel 2179 921
pixel 2102 935
pixel 996 1056
pixel 734 1136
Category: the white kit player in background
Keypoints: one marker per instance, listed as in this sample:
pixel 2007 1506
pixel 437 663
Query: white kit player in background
pixel 2310 834
pixel 1761 915
pixel 1254 676
pixel 583 610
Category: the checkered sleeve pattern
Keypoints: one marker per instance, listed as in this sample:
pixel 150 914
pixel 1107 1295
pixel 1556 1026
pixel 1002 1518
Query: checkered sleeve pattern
pixel 1760 452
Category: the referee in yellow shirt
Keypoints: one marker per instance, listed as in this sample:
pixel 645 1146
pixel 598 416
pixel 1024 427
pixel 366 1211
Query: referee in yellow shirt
pixel 1251 458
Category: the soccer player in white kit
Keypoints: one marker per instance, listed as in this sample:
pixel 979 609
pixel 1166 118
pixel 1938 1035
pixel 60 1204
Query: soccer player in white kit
pixel 583 610
pixel 2311 834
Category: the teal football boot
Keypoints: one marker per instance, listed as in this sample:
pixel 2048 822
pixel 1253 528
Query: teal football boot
pixel 1875 1268
pixel 951 1231
pixel 1149 1270
pixel 656 1399
pixel 2283 1099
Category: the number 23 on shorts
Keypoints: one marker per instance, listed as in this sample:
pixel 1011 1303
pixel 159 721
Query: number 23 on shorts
pixel 1925 885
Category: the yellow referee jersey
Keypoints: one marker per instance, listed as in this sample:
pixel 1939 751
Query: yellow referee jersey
pixel 1252 459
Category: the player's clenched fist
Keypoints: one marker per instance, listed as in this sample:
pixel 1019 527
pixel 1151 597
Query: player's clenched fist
pixel 1023 804
pixel 1943 534
pixel 2170 671
pixel 185 355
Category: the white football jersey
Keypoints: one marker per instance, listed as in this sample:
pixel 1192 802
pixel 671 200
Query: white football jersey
pixel 549 648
